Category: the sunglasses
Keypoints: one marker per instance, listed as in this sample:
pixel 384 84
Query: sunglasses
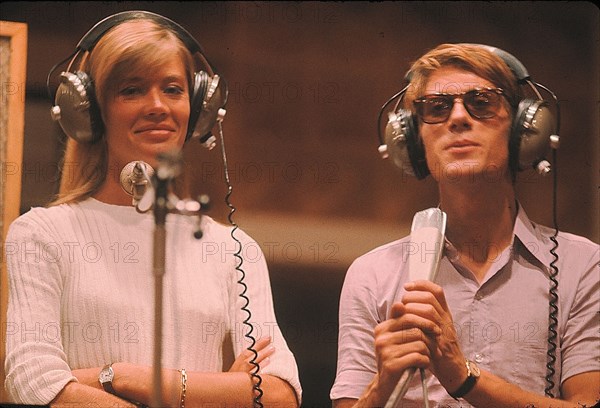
pixel 480 103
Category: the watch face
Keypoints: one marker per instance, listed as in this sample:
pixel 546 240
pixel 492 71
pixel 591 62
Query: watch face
pixel 106 375
pixel 474 369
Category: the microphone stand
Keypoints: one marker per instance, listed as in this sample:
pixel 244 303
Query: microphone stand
pixel 401 388
pixel 165 201
pixel 162 179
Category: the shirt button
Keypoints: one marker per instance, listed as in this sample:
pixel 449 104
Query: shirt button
pixel 478 296
pixel 478 358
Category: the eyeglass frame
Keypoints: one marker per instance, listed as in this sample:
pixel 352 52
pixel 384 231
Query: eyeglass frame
pixel 419 102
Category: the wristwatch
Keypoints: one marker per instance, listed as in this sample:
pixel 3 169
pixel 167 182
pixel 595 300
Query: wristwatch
pixel 473 374
pixel 106 377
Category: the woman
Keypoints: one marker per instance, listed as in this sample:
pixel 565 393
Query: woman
pixel 81 289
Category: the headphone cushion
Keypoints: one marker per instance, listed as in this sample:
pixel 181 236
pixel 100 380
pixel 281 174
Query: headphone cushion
pixel 404 144
pixel 79 112
pixel 197 98
pixel 209 109
pixel 530 134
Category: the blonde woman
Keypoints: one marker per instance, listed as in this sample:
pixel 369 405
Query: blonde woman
pixel 81 282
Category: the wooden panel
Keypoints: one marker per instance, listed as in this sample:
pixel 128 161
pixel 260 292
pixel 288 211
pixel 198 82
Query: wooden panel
pixel 13 57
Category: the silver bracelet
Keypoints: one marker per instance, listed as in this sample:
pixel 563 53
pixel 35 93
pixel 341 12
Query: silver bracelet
pixel 183 387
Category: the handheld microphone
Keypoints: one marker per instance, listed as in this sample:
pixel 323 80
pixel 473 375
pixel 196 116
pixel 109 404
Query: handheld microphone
pixel 136 180
pixel 427 232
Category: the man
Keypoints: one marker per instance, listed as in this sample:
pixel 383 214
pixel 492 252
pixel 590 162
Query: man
pixel 481 330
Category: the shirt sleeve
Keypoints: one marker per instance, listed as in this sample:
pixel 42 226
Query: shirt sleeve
pixel 36 365
pixel 580 344
pixel 358 316
pixel 259 311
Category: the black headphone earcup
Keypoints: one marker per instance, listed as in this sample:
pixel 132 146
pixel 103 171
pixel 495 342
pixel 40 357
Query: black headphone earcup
pixel 530 136
pixel 404 145
pixel 76 109
pixel 200 86
pixel 210 96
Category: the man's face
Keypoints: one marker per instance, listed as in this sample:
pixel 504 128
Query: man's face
pixel 464 147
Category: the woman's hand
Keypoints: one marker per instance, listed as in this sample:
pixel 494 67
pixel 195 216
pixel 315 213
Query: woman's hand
pixel 263 347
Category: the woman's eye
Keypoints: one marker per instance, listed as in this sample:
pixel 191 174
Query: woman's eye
pixel 130 91
pixel 174 90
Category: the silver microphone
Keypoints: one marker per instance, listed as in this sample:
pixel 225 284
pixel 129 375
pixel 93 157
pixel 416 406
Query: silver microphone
pixel 427 232
pixel 136 179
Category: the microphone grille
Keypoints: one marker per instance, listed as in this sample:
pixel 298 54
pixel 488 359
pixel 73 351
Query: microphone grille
pixel 125 178
pixel 133 173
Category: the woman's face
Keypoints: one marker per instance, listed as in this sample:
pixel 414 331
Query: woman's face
pixel 147 113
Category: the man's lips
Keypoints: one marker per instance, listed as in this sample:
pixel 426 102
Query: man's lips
pixel 461 144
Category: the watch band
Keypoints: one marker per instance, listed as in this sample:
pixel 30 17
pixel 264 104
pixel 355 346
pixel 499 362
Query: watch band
pixel 472 377
pixel 106 377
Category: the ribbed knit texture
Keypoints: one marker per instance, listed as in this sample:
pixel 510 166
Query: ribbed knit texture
pixel 81 294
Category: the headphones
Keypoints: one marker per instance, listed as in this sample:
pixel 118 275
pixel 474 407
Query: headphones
pixel 532 130
pixel 77 110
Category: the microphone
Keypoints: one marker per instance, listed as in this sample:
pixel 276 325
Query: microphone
pixel 427 231
pixel 136 180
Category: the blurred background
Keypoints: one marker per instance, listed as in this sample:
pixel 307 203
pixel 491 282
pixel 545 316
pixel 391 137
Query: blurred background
pixel 306 82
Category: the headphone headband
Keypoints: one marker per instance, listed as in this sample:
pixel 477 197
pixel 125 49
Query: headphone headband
pixel 77 110
pixel 513 63
pixel 90 39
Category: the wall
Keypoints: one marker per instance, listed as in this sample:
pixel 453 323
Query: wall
pixel 306 82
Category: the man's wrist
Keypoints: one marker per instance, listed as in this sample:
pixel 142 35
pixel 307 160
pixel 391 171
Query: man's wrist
pixel 470 379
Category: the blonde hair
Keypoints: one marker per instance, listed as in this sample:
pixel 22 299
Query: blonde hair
pixel 470 57
pixel 131 46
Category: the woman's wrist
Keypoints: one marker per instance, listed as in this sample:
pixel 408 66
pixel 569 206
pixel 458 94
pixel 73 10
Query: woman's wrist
pixel 183 389
pixel 119 379
pixel 131 381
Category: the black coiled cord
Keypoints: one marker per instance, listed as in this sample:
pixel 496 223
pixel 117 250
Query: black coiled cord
pixel 552 317
pixel 256 378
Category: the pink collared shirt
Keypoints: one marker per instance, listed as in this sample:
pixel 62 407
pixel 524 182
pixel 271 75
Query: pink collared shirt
pixel 502 323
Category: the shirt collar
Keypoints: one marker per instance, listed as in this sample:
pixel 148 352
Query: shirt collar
pixel 533 238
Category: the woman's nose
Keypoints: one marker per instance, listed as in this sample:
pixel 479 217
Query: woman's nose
pixel 155 103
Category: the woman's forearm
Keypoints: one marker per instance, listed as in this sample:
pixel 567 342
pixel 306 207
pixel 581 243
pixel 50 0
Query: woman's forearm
pixel 75 394
pixel 134 383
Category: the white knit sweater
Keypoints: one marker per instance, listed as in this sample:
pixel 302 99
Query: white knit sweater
pixel 81 294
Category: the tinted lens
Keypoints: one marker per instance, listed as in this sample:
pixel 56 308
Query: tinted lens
pixel 482 104
pixel 434 108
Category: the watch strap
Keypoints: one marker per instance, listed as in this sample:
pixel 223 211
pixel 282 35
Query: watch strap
pixel 107 382
pixel 467 385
